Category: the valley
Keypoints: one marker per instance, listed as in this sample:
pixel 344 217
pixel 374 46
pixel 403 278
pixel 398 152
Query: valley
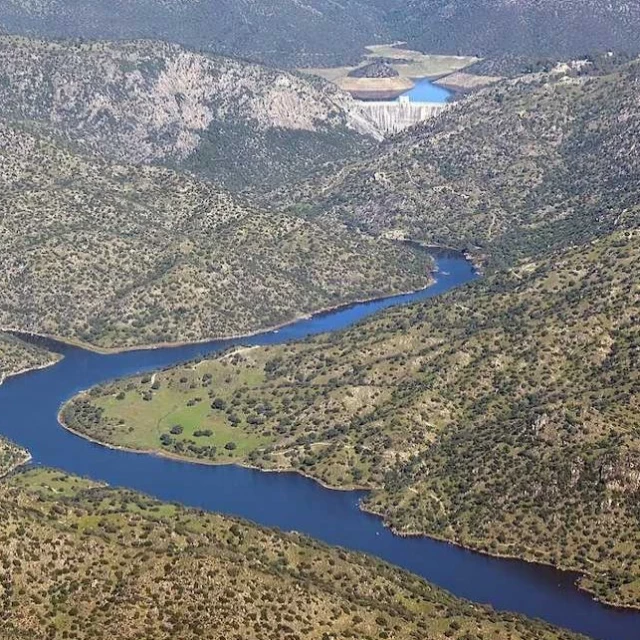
pixel 397 405
pixel 319 320
pixel 123 255
pixel 106 557
pixel 290 502
pixel 521 168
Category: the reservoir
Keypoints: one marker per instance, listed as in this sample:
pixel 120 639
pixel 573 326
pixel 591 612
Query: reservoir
pixel 425 91
pixel 29 404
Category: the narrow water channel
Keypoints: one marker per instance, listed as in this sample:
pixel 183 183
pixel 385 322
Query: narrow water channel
pixel 29 405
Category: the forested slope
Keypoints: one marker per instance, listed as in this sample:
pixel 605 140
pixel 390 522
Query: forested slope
pixel 279 32
pixel 118 255
pixel 531 164
pixel 98 563
pixel 320 34
pixel 537 28
pixel 503 416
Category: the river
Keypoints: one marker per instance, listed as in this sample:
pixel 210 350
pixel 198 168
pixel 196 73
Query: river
pixel 29 404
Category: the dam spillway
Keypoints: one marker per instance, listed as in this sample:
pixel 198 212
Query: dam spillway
pixel 392 117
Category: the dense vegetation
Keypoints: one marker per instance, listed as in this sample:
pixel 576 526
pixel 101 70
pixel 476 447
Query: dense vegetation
pixel 83 561
pixel 241 124
pixel 280 32
pixel 502 416
pixel 320 33
pixel 17 356
pixel 117 254
pixel 565 29
pixel 518 169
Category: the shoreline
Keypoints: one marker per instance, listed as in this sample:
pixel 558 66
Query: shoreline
pixel 167 455
pixel 579 575
pixel 26 459
pixel 107 351
pixel 6 376
pixel 474 261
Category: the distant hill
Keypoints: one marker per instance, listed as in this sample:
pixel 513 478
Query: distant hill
pixel 115 254
pixel 282 32
pixel 537 28
pixel 318 33
pixel 516 170
pixel 244 125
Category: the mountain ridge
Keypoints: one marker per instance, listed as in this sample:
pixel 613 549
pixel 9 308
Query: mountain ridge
pixel 280 32
pixel 535 28
pixel 525 166
pixel 240 124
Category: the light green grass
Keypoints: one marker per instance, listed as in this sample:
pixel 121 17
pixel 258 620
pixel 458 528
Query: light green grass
pixel 183 399
pixel 51 482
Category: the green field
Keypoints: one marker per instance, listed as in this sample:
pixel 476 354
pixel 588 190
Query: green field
pixel 186 412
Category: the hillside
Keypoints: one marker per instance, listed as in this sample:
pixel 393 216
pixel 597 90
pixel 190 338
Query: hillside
pixel 97 563
pixel 502 416
pixel 117 255
pixel 537 28
pixel 17 356
pixel 279 32
pixel 241 124
pixel 11 457
pixel 518 169
pixel 324 34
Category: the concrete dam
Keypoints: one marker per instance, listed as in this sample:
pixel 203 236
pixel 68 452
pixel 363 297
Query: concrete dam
pixel 393 117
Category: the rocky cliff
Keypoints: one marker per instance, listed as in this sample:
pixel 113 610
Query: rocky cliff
pixel 146 102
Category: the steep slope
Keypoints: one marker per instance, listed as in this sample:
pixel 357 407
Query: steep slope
pixel 118 255
pixel 149 102
pixel 503 416
pixel 530 164
pixel 532 27
pixel 96 563
pixel 281 32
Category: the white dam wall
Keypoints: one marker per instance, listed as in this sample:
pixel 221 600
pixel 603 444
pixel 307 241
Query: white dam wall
pixel 393 117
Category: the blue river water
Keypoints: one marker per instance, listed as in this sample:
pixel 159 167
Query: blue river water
pixel 425 91
pixel 29 404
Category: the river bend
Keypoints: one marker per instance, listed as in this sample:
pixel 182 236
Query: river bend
pixel 29 404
